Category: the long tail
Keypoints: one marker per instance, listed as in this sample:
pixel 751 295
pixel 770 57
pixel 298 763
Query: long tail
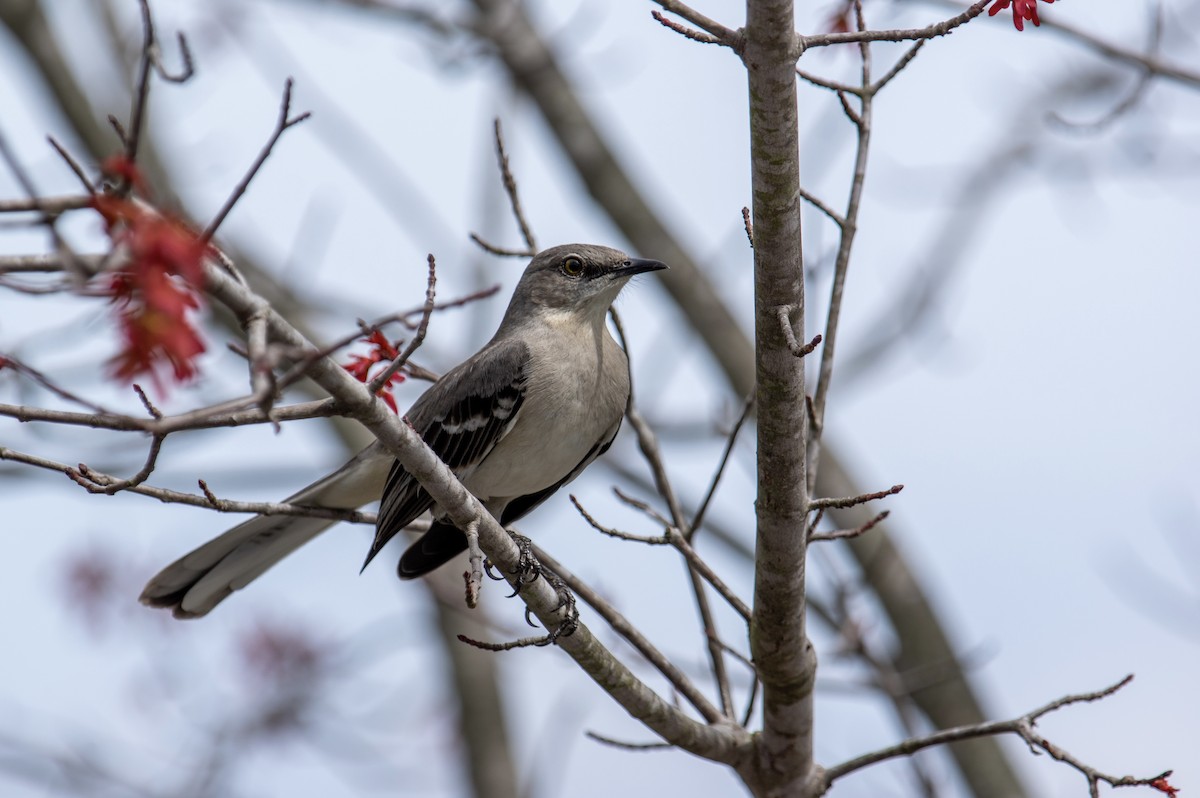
pixel 195 583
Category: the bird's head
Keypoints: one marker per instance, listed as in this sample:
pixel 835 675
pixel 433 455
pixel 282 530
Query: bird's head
pixel 577 278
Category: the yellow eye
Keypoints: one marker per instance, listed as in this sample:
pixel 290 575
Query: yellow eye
pixel 572 266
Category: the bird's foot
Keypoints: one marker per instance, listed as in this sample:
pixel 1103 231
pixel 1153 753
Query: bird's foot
pixel 566 601
pixel 527 571
pixel 528 568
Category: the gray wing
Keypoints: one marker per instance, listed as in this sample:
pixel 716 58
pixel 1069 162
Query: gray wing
pixel 462 417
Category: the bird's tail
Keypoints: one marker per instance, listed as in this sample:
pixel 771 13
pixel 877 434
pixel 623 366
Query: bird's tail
pixel 200 580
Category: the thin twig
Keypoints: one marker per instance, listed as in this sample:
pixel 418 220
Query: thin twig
pixel 600 738
pixel 1022 727
pixel 500 251
pixel 900 64
pixel 262 371
pixel 185 52
pixel 509 645
pixel 625 629
pixel 418 338
pixel 227 414
pixel 154 412
pixel 510 188
pixel 784 313
pixel 730 440
pixel 653 540
pixel 811 199
pixel 844 502
pixel 928 32
pixel 282 123
pixel 207 501
pixel 95 482
pixel 723 35
pixel 648 444
pixel 748 225
pixel 131 136
pixel 671 537
pixel 72 164
pixel 51 205
pixel 848 228
pixel 843 534
pixel 684 30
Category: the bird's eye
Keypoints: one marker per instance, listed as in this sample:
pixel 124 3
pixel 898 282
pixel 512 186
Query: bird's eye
pixel 572 266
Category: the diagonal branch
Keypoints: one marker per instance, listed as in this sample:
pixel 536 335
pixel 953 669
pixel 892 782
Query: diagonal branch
pixel 1023 727
pixel 720 743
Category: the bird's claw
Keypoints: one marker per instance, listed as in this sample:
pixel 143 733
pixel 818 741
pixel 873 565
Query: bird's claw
pixel 528 568
pixel 527 571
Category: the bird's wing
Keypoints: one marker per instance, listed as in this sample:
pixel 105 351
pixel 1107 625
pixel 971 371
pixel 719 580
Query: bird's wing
pixel 462 417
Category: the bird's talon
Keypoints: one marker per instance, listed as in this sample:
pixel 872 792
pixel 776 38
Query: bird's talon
pixel 488 567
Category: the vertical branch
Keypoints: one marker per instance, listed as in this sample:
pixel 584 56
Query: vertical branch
pixel 782 653
pixel 849 226
pixel 650 450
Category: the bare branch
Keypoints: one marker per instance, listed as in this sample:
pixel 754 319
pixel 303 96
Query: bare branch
pixel 929 32
pixel 600 738
pixel 625 629
pixel 207 500
pixel 653 540
pixel 282 123
pixel 842 534
pixel 811 199
pixel 698 518
pixel 52 205
pixel 72 164
pixel 95 482
pixel 684 30
pixel 1022 727
pixel 898 67
pixel 719 33
pixel 419 336
pixel 784 313
pixel 510 188
pixel 853 501
pixel 500 251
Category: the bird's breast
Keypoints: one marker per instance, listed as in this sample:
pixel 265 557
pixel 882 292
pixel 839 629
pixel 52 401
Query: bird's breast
pixel 576 395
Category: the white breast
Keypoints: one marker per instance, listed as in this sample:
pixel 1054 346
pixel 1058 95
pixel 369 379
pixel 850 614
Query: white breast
pixel 576 395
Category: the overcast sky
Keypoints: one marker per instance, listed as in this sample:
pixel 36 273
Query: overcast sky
pixel 1042 416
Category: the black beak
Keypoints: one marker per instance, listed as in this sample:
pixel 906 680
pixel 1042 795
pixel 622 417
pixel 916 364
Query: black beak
pixel 637 266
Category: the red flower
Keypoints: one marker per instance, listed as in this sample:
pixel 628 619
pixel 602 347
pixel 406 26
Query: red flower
pixel 1022 10
pixel 1161 785
pixel 360 366
pixel 154 290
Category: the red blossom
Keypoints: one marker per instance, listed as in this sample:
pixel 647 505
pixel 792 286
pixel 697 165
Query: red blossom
pixel 155 289
pixel 382 351
pixel 1022 10
pixel 1163 786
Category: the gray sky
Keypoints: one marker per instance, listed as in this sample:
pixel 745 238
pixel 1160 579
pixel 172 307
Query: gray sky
pixel 1042 417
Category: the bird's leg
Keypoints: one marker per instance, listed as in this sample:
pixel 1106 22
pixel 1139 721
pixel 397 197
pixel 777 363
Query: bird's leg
pixel 566 600
pixel 527 571
pixel 528 568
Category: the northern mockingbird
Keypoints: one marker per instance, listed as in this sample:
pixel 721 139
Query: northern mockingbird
pixel 515 422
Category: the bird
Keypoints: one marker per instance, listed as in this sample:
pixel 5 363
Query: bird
pixel 516 421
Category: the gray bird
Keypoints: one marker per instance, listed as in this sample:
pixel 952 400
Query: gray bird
pixel 518 420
